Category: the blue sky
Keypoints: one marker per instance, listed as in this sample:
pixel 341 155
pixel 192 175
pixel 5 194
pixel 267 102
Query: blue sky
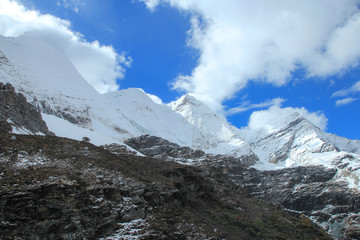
pixel 236 56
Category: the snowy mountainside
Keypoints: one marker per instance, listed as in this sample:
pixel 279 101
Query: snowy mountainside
pixel 131 113
pixel 343 144
pixel 46 78
pixel 72 108
pixel 220 135
pixel 294 141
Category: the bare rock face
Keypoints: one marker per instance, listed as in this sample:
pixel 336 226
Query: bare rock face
pixel 118 149
pixel 15 111
pixel 78 117
pixel 157 147
pixel 311 191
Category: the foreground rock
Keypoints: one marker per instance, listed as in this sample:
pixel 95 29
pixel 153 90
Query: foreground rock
pixel 55 188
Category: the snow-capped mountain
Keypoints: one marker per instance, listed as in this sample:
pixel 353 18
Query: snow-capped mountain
pixel 292 141
pixel 72 108
pixel 219 135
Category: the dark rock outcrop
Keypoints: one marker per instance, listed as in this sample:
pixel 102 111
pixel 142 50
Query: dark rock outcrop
pixel 15 111
pixel 118 149
pixel 157 147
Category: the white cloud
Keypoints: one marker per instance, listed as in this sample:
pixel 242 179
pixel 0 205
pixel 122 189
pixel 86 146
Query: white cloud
pixel 265 41
pixel 344 101
pixel 73 4
pixel 246 106
pixel 345 92
pixel 273 118
pixel 151 4
pixel 100 65
pixel 341 51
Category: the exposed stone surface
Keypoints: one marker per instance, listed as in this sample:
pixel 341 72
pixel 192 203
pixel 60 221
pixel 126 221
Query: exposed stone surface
pixel 118 149
pixel 309 190
pixel 76 116
pixel 15 111
pixel 55 188
pixel 163 149
pixel 157 147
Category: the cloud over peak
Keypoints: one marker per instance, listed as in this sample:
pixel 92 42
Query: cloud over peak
pixel 100 65
pixel 274 117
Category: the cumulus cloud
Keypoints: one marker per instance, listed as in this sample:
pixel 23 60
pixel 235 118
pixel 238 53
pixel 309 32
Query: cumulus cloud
pixel 273 118
pixel 246 106
pixel 100 65
pixel 265 41
pixel 344 101
pixel 345 92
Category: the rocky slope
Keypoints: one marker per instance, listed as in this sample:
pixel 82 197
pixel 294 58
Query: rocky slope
pixel 58 188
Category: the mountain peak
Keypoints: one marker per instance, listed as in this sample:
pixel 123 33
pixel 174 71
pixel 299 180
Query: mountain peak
pixel 275 119
pixel 189 105
pixel 186 99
